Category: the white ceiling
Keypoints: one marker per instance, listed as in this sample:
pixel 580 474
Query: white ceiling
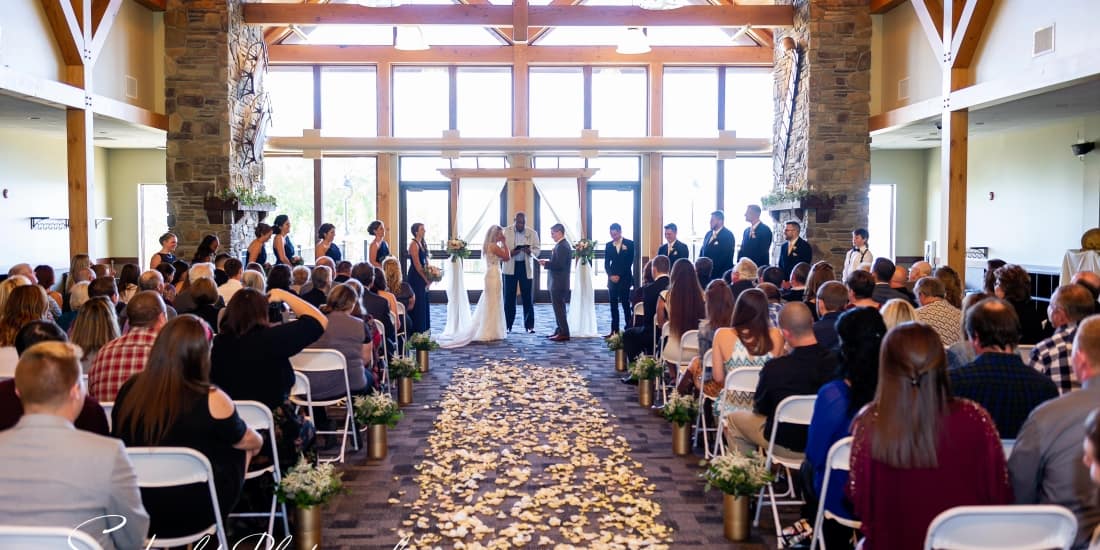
pixel 29 116
pixel 1071 102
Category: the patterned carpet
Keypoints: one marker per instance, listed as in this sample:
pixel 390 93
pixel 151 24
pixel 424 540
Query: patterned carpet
pixel 384 497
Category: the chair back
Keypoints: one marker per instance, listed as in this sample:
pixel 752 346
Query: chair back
pixel 255 414
pixel 400 308
pixel 108 407
pixel 796 409
pixel 318 360
pixel 837 459
pixel 639 309
pixel 46 538
pixel 743 379
pixel 1025 352
pixel 1007 445
pixel 840 455
pixel 159 467
pixel 1025 527
pixel 689 340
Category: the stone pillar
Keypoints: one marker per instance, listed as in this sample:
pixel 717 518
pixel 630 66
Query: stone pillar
pixel 216 110
pixel 829 151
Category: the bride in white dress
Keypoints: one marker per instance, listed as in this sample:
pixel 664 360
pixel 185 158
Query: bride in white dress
pixel 487 323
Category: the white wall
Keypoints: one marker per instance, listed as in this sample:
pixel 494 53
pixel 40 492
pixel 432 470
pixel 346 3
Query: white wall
pixel 126 169
pixel 1006 44
pixel 904 169
pixel 904 52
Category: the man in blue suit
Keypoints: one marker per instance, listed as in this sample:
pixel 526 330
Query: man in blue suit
pixel 618 262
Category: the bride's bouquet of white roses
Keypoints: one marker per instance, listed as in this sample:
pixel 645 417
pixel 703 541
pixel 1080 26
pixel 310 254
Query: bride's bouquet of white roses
pixel 457 248
pixel 585 251
pixel 434 273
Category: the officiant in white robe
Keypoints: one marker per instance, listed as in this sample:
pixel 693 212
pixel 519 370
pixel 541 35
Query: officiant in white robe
pixel 523 243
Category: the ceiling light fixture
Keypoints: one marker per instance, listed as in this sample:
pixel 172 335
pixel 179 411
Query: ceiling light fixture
pixel 633 42
pixel 409 38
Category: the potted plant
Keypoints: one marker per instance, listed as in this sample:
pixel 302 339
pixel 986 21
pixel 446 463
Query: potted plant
pixel 739 476
pixel 645 370
pixel 237 199
pixel 309 487
pixel 680 410
pixel 376 412
pixel 404 370
pixel 422 342
pixel 615 344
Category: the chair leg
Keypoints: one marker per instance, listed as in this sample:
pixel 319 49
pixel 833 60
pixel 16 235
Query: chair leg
pixel 354 429
pixel 775 515
pixel 703 421
pixel 759 505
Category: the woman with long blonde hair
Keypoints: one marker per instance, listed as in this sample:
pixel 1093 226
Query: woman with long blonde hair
pixel 487 322
pixel 96 325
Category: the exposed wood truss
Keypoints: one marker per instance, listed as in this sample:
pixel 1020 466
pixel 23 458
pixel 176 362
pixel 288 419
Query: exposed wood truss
pixel 504 55
pixel 883 6
pixel 155 5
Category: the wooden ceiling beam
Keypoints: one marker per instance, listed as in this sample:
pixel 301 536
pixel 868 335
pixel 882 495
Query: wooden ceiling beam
pixel 931 21
pixel 764 37
pixel 66 30
pixel 155 5
pixel 883 6
pixel 964 43
pixel 502 16
pixel 291 54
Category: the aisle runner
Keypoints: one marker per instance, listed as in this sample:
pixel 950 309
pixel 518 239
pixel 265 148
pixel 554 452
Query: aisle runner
pixel 525 456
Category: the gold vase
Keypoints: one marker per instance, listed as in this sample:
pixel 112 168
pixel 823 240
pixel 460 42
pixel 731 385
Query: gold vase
pixel 645 392
pixel 404 391
pixel 735 517
pixel 681 439
pixel 308 521
pixel 620 360
pixel 376 442
pixel 422 359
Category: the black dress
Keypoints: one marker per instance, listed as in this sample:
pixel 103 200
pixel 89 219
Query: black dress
pixel 198 430
pixel 288 250
pixel 382 253
pixel 334 252
pixel 419 318
pixel 169 258
pixel 256 366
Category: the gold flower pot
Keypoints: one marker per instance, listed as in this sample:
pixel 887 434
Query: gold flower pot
pixel 404 391
pixel 376 442
pixel 735 517
pixel 620 360
pixel 308 521
pixel 681 439
pixel 422 359
pixel 645 392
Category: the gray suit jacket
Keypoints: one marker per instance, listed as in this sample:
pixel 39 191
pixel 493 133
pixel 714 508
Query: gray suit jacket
pixel 558 266
pixel 57 476
pixel 532 238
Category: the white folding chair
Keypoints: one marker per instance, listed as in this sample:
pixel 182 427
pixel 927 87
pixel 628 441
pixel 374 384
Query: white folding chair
pixel 838 459
pixel 45 538
pixel 107 408
pixel 330 360
pixel 161 467
pixel 689 348
pixel 404 334
pixel 741 379
pixel 1002 528
pixel 381 329
pixel 701 417
pixel 796 409
pixel 659 340
pixel 639 314
pixel 258 417
pixel 1007 445
pixel 1025 353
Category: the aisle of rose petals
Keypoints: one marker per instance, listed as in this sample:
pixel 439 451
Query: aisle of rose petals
pixel 525 456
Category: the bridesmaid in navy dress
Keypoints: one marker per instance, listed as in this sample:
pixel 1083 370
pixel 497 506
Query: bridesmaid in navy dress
pixel 257 249
pixel 379 250
pixel 325 247
pixel 419 320
pixel 283 248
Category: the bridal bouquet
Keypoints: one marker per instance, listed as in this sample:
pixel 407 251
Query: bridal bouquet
pixel 434 273
pixel 457 249
pixel 585 251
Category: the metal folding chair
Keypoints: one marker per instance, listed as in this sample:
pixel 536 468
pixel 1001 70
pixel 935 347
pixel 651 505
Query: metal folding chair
pixel 258 417
pixel 330 360
pixel 160 467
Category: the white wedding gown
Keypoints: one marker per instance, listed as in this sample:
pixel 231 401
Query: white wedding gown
pixel 487 322
pixel 582 306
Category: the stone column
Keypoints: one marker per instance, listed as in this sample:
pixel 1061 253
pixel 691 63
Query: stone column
pixel 216 110
pixel 829 150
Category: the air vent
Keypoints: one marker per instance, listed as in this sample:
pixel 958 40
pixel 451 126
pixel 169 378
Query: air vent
pixel 131 87
pixel 903 88
pixel 1043 42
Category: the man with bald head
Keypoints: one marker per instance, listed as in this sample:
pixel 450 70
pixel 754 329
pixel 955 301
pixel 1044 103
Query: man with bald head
pixel 801 372
pixel 24 270
pixel 1091 281
pixel 1045 465
pixel 1069 305
pixel 998 379
pixel 918 270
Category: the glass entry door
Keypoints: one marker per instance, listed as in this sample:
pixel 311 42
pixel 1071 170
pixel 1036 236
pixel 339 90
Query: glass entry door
pixel 429 204
pixel 612 203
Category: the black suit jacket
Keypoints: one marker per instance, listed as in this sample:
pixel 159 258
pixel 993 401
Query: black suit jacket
pixel 679 250
pixel 803 252
pixel 720 251
pixel 802 372
pixel 757 248
pixel 558 267
pixel 620 263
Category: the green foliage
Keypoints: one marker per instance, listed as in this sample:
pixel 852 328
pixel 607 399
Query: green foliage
pixel 457 248
pixel 403 367
pixel 585 251
pixel 787 194
pixel 309 485
pixel 614 342
pixel 422 341
pixel 378 408
pixel 737 474
pixel 646 368
pixel 680 409
pixel 246 196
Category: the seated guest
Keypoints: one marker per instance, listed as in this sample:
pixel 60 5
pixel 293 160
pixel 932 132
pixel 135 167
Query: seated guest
pixel 639 338
pixel 379 287
pixel 205 296
pixel 220 276
pixel 799 276
pixel 952 285
pixel 998 379
pixel 637 296
pixel 961 353
pixel 832 298
pixel 742 277
pixel 919 270
pixel 10 284
pixel 719 307
pixel 279 278
pixel 1013 285
pixel 121 358
pixel 904 473
pixel 1069 305
pixel 883 272
pixel 233 269
pixel 308 285
pixel 172 404
pixel 704 268
pixel 395 283
pixel 57 476
pixel 322 283
pixel 47 279
pixel 936 312
pixel 254 280
pixel 93 329
pixel 860 334
pixel 861 288
pixel 78 296
pixel 374 305
pixel 897 311
pixel 103 271
pixel 774 276
pixel 25 304
pixel 750 342
pixel 1046 462
pixel 1092 459
pixel 802 372
pixel 682 306
pixel 253 266
pixel 153 280
pixel 771 292
pixel 991 267
pixel 820 273
pixel 128 282
pixel 105 286
pixel 299 277
pixel 1091 281
pixel 350 337
pixel 92 417
pixel 900 283
pixel 185 301
pixel 343 271
pixel 180 279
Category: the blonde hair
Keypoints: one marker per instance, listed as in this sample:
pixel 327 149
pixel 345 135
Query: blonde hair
pixel 392 268
pixel 95 326
pixel 78 295
pixel 897 311
pixel 80 261
pixel 47 372
pixel 253 279
pixel 7 286
pixel 342 298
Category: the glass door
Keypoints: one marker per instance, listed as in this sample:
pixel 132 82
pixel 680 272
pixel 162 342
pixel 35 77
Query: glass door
pixel 153 222
pixel 612 203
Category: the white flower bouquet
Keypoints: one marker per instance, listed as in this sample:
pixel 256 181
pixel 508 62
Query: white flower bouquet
pixel 646 367
pixel 309 485
pixel 737 474
pixel 585 251
pixel 680 409
pixel 434 273
pixel 457 248
pixel 377 408
pixel 403 367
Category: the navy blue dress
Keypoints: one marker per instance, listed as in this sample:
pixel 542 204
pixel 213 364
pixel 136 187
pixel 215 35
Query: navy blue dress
pixel 288 249
pixel 334 252
pixel 382 253
pixel 419 318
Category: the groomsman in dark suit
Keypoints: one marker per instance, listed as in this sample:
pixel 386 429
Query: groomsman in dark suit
pixel 795 250
pixel 639 339
pixel 557 268
pixel 678 249
pixel 618 262
pixel 756 243
pixel 718 245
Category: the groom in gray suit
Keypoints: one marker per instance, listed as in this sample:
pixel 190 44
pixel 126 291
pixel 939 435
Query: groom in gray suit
pixel 558 279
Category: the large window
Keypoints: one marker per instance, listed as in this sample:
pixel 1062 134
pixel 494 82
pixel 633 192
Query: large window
pixel 748 102
pixel 290 181
pixel 691 102
pixel 420 101
pixel 349 191
pixel 619 101
pixel 152 219
pixel 291 91
pixel 745 181
pixel 348 97
pixel 880 220
pixel 690 186
pixel 484 101
pixel 557 101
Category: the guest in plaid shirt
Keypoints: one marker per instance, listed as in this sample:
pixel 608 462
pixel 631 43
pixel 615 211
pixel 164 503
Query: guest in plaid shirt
pixel 998 379
pixel 120 359
pixel 1069 305
pixel 937 312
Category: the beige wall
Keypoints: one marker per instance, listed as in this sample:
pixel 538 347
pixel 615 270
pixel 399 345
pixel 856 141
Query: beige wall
pixel 904 52
pixel 126 169
pixel 27 45
pixel 904 169
pixel 1006 45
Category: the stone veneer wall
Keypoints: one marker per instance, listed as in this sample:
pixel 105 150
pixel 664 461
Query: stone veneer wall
pixel 205 43
pixel 830 151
